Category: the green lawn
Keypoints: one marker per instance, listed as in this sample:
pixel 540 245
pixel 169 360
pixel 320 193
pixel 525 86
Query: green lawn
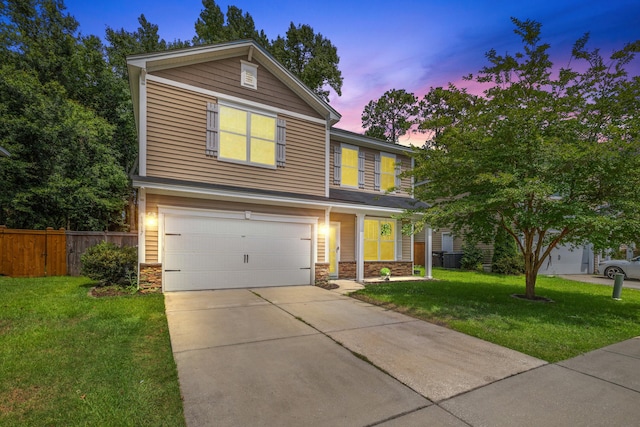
pixel 69 359
pixel 583 316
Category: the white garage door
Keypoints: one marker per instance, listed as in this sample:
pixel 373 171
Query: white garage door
pixel 568 260
pixel 221 253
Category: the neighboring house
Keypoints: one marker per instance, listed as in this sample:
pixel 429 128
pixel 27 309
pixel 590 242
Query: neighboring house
pixel 563 259
pixel 244 182
pixel 4 153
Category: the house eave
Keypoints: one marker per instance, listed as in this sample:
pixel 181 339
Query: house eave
pixel 183 189
pixel 341 135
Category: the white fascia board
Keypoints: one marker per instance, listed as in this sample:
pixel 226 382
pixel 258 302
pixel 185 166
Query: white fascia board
pixel 234 99
pixel 343 136
pixel 187 191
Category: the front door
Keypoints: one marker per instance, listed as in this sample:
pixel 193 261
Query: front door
pixel 334 248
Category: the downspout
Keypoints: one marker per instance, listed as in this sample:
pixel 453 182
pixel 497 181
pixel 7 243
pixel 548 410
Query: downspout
pixel 327 224
pixel 327 153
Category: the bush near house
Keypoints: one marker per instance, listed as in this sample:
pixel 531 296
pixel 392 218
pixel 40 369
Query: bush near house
pixel 472 257
pixel 110 264
pixel 507 259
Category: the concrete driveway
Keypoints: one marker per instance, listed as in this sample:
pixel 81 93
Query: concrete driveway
pixel 306 356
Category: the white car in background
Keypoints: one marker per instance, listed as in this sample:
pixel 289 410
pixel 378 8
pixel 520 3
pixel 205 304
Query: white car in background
pixel 630 269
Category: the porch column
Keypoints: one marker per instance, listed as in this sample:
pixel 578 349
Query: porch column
pixel 428 248
pixel 142 226
pixel 359 247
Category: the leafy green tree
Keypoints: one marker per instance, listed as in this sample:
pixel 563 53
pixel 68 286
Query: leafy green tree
pixel 549 157
pixel 213 27
pixel 506 258
pixel 442 108
pixel 61 173
pixel 390 116
pixel 63 113
pixel 311 57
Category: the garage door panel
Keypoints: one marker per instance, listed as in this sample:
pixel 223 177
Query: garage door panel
pixel 196 243
pixel 220 253
pixel 204 262
pixel 284 245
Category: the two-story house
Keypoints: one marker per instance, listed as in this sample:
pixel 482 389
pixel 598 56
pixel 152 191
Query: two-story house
pixel 243 181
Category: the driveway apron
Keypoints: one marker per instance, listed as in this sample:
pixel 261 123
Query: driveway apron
pixel 307 356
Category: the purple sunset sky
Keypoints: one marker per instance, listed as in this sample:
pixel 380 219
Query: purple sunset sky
pixel 402 44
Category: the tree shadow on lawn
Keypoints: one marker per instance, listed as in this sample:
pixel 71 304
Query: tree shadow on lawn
pixel 578 304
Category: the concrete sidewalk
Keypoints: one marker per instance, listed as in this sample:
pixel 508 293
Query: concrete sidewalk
pixel 307 356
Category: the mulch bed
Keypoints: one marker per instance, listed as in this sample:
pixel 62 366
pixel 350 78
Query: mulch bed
pixel 327 285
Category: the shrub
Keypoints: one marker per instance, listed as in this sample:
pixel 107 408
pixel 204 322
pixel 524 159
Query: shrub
pixel 471 257
pixel 110 264
pixel 506 259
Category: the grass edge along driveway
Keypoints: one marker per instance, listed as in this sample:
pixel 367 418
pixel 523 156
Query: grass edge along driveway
pixel 583 317
pixel 71 359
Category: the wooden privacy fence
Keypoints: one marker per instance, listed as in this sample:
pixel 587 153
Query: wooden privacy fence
pixel 38 253
pixel 79 241
pixel 32 253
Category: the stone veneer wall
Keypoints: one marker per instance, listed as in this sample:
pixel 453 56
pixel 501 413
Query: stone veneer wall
pixel 322 273
pixel 347 269
pixel 150 277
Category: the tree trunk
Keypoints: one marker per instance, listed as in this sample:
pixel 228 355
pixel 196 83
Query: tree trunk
pixel 530 271
pixel 530 287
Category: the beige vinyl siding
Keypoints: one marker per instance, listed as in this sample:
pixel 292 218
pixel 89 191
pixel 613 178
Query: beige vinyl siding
pixel 369 170
pixel 176 135
pixel 154 200
pixel 347 235
pixel 487 249
pixel 223 76
pixel 151 242
pixel 406 247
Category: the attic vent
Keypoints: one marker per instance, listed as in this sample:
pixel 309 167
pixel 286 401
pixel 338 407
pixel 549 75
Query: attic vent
pixel 249 75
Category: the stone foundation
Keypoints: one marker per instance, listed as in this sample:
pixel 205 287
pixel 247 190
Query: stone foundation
pixel 150 279
pixel 347 269
pixel 322 273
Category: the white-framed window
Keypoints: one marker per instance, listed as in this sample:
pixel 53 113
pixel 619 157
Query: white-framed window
pixel 241 135
pixel 348 166
pixel 379 239
pixel 386 172
pixel 249 75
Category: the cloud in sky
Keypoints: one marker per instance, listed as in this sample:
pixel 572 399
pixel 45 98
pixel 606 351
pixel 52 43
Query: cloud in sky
pixel 404 44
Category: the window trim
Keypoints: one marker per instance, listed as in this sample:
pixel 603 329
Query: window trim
pixel 357 150
pixel 248 135
pixel 395 239
pixel 395 172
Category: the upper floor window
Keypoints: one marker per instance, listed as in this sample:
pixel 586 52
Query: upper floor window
pixel 387 172
pixel 348 166
pixel 245 136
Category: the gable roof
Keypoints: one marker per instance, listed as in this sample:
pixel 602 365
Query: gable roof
pixel 4 153
pixel 341 135
pixel 142 63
